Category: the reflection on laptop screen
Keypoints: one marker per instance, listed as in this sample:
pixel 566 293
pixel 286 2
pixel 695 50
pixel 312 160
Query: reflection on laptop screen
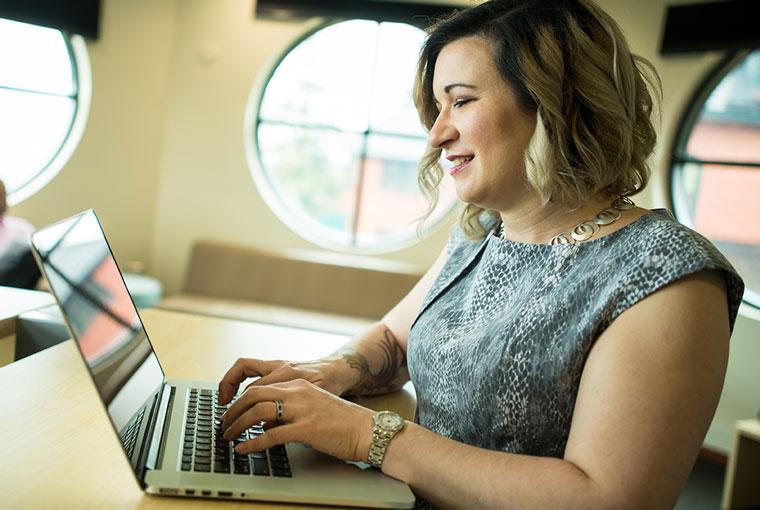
pixel 83 274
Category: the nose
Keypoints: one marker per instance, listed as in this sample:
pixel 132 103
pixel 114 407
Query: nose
pixel 442 132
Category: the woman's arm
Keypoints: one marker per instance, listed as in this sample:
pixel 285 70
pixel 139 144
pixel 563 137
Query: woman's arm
pixel 374 362
pixel 647 394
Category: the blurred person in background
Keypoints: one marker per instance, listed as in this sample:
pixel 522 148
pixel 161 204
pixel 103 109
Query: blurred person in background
pixel 17 266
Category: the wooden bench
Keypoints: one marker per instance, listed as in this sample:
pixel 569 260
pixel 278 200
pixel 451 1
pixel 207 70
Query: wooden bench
pixel 319 290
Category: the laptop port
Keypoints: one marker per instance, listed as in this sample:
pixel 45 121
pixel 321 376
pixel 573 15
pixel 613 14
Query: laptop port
pixel 189 492
pixel 224 494
pixel 206 493
pixel 168 490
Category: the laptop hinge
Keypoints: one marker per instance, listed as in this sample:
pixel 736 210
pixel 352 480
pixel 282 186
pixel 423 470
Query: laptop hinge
pixel 167 397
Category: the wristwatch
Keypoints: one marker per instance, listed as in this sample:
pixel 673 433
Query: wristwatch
pixel 386 424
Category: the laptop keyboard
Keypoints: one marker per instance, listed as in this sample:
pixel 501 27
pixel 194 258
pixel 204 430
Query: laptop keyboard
pixel 129 438
pixel 205 450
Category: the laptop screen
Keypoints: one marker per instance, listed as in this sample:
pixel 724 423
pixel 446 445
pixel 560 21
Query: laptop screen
pixel 94 300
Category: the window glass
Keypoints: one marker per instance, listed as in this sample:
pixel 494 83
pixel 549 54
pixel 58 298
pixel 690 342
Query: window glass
pixel 338 139
pixel 716 173
pixel 34 58
pixel 40 99
pixel 313 171
pixel 32 128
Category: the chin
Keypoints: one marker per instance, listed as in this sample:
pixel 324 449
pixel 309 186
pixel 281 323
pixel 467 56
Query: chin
pixel 469 195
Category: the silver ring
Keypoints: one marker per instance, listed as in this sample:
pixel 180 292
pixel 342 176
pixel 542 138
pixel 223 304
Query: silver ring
pixel 623 203
pixel 584 231
pixel 561 239
pixel 607 216
pixel 279 406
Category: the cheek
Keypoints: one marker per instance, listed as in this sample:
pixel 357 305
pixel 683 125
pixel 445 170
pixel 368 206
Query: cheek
pixel 495 135
pixel 481 137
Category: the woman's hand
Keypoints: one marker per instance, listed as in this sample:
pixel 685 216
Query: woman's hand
pixel 310 415
pixel 324 373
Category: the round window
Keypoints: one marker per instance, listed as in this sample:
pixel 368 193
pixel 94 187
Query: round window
pixel 715 179
pixel 334 137
pixel 44 103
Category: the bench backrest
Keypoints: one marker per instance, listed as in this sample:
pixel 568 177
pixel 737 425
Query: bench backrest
pixel 309 280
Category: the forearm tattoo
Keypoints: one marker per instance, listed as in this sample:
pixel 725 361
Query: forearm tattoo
pixel 388 376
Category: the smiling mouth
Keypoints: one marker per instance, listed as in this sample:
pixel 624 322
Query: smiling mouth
pixel 460 164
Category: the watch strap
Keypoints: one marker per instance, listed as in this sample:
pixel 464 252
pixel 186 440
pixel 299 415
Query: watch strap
pixel 381 437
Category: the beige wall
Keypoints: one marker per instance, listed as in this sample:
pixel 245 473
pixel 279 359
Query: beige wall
pixel 162 158
pixel 206 190
pixel 116 166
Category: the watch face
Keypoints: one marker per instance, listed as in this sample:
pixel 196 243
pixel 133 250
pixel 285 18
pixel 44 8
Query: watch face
pixel 389 420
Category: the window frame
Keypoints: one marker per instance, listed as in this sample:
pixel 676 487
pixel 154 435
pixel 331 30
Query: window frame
pixel 81 74
pixel 684 128
pixel 317 233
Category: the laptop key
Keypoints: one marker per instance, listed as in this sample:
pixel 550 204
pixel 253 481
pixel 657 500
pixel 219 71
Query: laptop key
pixel 203 468
pixel 260 467
pixel 279 466
pixel 242 469
pixel 186 466
pixel 221 467
pixel 285 473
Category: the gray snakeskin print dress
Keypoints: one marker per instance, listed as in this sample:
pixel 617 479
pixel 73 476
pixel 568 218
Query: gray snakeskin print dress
pixel 497 349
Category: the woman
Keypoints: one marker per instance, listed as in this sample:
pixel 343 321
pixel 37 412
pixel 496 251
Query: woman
pixel 568 348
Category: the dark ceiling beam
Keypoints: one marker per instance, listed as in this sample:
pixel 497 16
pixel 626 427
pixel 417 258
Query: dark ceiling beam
pixel 419 14
pixel 75 16
pixel 727 25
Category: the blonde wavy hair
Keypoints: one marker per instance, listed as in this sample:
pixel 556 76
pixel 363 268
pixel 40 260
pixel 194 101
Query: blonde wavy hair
pixel 567 61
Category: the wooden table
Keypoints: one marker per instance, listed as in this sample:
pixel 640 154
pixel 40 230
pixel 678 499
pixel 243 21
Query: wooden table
pixel 58 449
pixel 14 302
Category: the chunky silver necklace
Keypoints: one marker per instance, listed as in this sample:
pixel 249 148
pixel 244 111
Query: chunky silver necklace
pixel 583 231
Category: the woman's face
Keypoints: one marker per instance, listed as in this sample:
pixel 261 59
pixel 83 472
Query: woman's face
pixel 480 126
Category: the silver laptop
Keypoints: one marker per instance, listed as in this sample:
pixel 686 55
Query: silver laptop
pixel 169 429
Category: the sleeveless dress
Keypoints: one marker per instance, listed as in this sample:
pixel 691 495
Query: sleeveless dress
pixel 497 350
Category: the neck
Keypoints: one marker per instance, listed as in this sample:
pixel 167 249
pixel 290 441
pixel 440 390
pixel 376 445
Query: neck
pixel 531 223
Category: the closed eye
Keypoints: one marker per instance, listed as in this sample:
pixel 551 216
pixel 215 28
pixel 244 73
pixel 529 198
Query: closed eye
pixel 461 102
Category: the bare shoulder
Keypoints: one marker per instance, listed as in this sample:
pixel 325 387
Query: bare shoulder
pixel 649 389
